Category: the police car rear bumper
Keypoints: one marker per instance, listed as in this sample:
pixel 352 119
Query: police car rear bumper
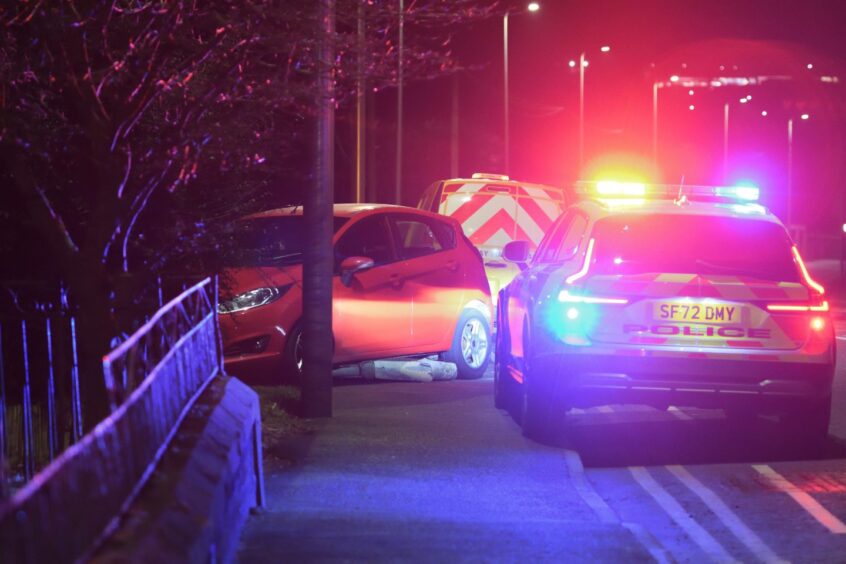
pixel 585 380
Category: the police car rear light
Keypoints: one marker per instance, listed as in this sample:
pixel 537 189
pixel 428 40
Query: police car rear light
pixel 585 266
pixel 565 297
pixel 798 307
pixel 818 323
pixel 808 280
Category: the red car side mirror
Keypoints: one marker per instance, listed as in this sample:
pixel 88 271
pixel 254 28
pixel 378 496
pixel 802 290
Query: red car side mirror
pixel 351 265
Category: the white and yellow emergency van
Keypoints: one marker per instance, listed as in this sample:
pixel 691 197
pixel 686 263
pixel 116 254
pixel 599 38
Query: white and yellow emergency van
pixel 494 210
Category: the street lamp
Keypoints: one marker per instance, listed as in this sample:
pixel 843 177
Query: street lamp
pixel 745 100
pixel 583 64
pixel 532 7
pixel 803 117
pixel 790 123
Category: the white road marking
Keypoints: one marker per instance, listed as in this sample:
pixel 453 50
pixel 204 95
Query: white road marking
pixel 808 503
pixel 734 524
pixel 679 413
pixel 677 513
pixel 604 511
pixel 841 337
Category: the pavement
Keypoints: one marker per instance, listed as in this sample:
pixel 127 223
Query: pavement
pixel 428 472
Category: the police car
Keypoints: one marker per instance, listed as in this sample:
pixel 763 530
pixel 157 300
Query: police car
pixel 665 295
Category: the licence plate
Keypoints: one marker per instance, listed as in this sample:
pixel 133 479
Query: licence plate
pixel 703 313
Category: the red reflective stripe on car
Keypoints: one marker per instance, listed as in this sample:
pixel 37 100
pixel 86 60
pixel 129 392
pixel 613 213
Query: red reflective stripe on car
pixel 531 208
pixel 466 210
pixel 500 220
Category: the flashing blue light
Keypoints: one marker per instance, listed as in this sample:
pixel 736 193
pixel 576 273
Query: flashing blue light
pixel 571 323
pixel 747 193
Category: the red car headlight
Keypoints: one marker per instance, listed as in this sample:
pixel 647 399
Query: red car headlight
pixel 253 298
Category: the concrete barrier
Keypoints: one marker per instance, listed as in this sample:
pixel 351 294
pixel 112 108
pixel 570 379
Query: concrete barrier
pixel 194 506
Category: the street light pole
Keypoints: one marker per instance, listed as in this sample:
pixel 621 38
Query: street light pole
pixel 789 172
pixel 725 141
pixel 655 86
pixel 581 111
pixel 532 7
pixel 454 129
pixel 505 90
pixel 359 110
pixel 398 188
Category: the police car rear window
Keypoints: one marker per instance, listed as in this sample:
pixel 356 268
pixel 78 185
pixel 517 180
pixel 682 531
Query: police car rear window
pixel 693 244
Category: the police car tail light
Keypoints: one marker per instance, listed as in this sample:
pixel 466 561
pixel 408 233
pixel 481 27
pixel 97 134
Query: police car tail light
pixel 807 277
pixel 585 265
pixel 818 323
pixel 799 307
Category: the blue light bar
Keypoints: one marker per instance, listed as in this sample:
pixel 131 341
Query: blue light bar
pixel 746 193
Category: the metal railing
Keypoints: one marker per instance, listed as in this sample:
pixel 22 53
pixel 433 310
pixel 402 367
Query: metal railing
pixel 40 407
pixel 153 379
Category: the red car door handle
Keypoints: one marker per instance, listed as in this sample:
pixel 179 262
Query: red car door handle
pixel 452 265
pixel 396 281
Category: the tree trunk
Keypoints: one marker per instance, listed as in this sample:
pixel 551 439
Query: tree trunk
pixel 318 259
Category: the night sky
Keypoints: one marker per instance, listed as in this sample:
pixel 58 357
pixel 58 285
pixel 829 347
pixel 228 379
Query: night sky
pixel 650 41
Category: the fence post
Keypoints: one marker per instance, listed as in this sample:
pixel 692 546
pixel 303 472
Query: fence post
pixel 76 403
pixel 4 492
pixel 218 338
pixel 51 394
pixel 29 455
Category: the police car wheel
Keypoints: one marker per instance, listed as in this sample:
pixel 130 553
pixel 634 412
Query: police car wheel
pixel 503 383
pixel 471 345
pixel 808 424
pixel 540 414
pixel 539 417
pixel 502 386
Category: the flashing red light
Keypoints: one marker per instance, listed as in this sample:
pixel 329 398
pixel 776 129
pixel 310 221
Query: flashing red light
pixel 798 307
pixel 817 323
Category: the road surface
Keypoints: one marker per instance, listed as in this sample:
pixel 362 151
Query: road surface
pixel 432 472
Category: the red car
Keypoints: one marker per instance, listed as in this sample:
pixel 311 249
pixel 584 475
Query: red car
pixel 406 283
